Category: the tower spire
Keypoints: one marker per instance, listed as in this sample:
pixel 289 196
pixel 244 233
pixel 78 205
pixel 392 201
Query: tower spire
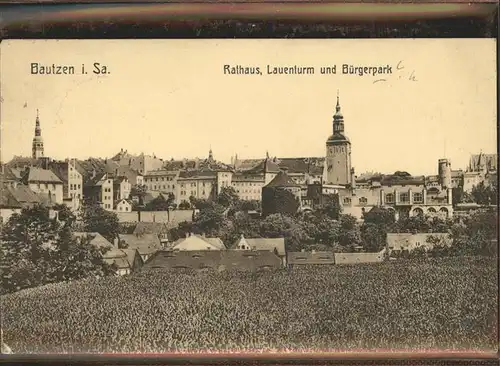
pixel 37 145
pixel 210 154
pixel 337 108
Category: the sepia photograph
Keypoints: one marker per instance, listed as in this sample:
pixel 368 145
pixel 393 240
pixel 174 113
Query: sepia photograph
pixel 223 196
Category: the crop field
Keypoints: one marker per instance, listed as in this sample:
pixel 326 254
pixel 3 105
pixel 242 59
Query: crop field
pixel 409 305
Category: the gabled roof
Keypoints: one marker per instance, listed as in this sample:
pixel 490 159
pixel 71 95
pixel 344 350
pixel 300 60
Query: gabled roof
pixel 268 244
pixel 96 239
pixel 21 196
pixel 7 174
pixel 282 180
pixel 124 200
pixel 60 169
pixel 265 166
pixel 121 258
pixel 145 244
pixel 40 175
pixel 198 241
pixel 98 180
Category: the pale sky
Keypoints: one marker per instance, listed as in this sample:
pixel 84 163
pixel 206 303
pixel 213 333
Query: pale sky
pixel 171 98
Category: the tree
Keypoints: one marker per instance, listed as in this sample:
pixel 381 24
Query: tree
pixel 96 219
pixel 457 194
pixel 74 258
pixel 227 197
pixel 278 200
pixel 282 226
pixel 350 235
pixel 139 191
pixel 184 205
pixel 484 194
pixel 374 237
pixel 37 250
pixel 24 248
pixel 160 203
pixel 380 216
pixel 181 230
pixel 331 206
pixel 64 214
pixel 209 220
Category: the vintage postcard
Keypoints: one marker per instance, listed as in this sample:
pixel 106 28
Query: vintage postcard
pixel 249 196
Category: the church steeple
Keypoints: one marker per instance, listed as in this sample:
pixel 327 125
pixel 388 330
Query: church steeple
pixel 338 119
pixel 338 152
pixel 37 146
pixel 210 154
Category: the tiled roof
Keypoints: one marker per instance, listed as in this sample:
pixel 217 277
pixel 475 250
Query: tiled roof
pixel 310 258
pixel 22 196
pixel 145 244
pixel 96 239
pixel 197 239
pixel 352 258
pixel 215 260
pixel 150 228
pixel 399 180
pixel 122 258
pixel 7 174
pixel 22 161
pixel 265 166
pixel 282 180
pixel 41 175
pixel 161 172
pixel 197 174
pixel 268 244
pixel 310 165
pixel 60 169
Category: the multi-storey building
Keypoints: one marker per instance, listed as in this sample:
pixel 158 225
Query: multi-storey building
pixel 121 188
pixel 141 163
pixel 99 190
pixel 72 181
pixel 482 168
pixel 44 182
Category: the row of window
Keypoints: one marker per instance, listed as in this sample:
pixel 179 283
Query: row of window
pixel 162 179
pixel 155 187
pixel 106 198
pixel 43 186
pixel 404 197
pixel 107 189
pixel 73 187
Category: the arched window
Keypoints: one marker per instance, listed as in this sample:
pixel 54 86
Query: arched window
pixel 389 198
pixel 418 212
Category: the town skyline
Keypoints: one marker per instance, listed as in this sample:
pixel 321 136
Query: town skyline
pixel 392 124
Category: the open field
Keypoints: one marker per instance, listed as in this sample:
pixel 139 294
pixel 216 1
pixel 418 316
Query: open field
pixel 434 304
